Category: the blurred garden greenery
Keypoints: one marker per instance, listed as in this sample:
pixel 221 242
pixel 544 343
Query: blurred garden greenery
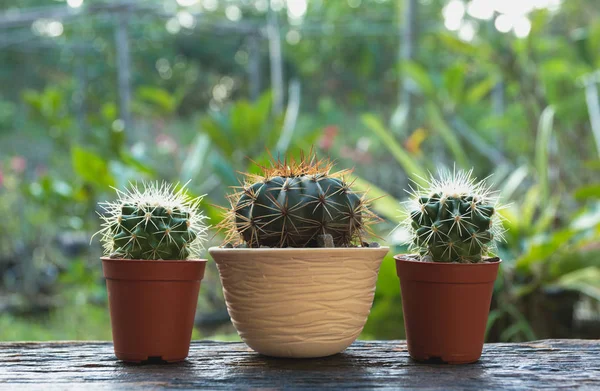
pixel 506 87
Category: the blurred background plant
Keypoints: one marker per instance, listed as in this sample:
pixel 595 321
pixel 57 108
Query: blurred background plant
pixel 98 93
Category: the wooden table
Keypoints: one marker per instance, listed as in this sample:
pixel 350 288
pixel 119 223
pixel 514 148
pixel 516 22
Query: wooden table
pixel 548 364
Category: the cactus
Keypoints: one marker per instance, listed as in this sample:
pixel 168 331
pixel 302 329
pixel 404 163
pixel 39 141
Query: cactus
pixel 454 218
pixel 154 223
pixel 296 203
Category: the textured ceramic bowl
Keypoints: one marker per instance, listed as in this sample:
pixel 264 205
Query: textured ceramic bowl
pixel 299 302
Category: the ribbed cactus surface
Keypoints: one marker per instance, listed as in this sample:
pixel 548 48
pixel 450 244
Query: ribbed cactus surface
pixel 454 219
pixel 155 223
pixel 293 203
pixel 148 232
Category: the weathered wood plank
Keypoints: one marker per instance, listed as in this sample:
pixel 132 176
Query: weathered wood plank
pixel 549 364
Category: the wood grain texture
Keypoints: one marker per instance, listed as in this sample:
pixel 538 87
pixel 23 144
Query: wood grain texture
pixel 309 302
pixel 548 364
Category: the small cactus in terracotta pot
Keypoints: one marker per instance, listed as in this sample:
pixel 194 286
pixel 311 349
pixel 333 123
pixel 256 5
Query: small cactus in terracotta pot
pixel 152 240
pixel 298 275
pixel 447 285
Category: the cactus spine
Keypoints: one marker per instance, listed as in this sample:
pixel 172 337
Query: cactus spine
pixel 454 218
pixel 154 223
pixel 293 203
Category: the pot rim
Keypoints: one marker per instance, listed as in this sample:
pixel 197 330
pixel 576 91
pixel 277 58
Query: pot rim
pixel 217 249
pixel 151 270
pixel 404 258
pixel 125 260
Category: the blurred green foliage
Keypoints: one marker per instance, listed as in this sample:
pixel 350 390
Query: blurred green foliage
pixel 507 106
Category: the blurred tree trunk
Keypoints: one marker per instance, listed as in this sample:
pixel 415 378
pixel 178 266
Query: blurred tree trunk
pixel 254 71
pixel 408 41
pixel 275 56
pixel 123 69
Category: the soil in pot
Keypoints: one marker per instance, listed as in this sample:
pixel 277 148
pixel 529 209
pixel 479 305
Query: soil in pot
pixel 152 307
pixel 445 306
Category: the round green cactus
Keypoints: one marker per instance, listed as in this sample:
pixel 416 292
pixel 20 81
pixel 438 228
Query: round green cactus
pixel 155 223
pixel 454 219
pixel 294 204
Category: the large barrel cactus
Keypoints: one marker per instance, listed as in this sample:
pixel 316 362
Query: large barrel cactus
pixel 154 223
pixel 454 218
pixel 296 204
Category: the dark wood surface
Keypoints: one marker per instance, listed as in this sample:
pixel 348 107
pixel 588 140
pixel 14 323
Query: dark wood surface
pixel 548 364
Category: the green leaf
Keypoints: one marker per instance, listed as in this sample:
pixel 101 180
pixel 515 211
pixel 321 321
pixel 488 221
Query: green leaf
pixel 512 331
pixel 540 252
pixel 385 204
pixel 542 144
pixel 454 82
pixel 440 126
pixel 592 164
pixel 528 206
pixel 33 99
pixel 52 101
pixel 586 281
pixel 539 22
pixel 512 183
pixel 458 45
pixel 419 75
pixel 194 160
pixel 547 216
pixel 131 161
pixel 109 112
pixel 262 107
pixel 521 325
pixel 589 219
pixel 587 192
pixel 493 316
pixel 410 165
pixel 480 90
pixel 158 97
pixel 219 133
pixel 91 167
pixel 576 257
pixel 386 313
pixel 223 169
pixel 388 283
pixel 242 123
pixel 593 42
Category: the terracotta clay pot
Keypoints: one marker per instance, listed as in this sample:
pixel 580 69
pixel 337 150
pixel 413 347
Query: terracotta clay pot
pixel 445 306
pixel 299 302
pixel 152 307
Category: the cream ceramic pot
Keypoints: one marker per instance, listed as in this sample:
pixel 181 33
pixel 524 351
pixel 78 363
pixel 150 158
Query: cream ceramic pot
pixel 298 302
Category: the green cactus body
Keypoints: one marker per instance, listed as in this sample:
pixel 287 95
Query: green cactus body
pixel 293 211
pixel 454 220
pixel 152 225
pixel 146 232
pixel 294 204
